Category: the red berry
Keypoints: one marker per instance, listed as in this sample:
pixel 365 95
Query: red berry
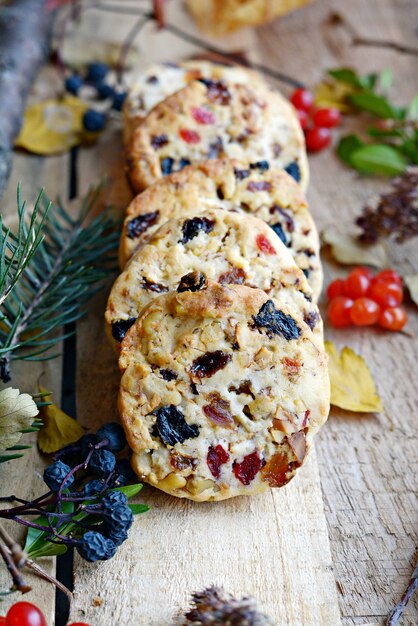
pixel 3 621
pixel 366 271
pixel 202 115
pixel 189 136
pixel 339 311
pixel 364 312
pixel 264 245
pixel 336 288
pixel 386 294
pixel 388 276
pixel 327 118
pixel 303 118
pixel 357 283
pixel 302 99
pixel 317 139
pixel 393 319
pixel 25 614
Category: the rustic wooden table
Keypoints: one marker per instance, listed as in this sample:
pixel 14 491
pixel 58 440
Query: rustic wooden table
pixel 337 545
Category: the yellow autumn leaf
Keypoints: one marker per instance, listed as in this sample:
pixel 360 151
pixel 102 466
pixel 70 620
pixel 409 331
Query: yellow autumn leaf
pixel 352 385
pixel 333 94
pixel 52 126
pixel 59 429
pixel 347 250
pixel 17 411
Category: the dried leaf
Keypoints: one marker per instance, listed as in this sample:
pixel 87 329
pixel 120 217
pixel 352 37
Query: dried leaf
pixel 17 411
pixel 349 251
pixel 333 95
pixel 412 283
pixel 52 126
pixel 59 429
pixel 352 385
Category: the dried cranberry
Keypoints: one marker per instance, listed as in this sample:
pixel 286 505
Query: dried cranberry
pixel 241 174
pixel 209 363
pixel 167 166
pixel 264 245
pixel 236 276
pixel 155 287
pixel 216 457
pixel 280 233
pixel 248 469
pixel 158 141
pixel 168 374
pixel 292 366
pixel 260 165
pixel 180 462
pixel 277 322
pixel 259 185
pixel 121 327
pixel 216 148
pixel 141 223
pixel 172 427
pixel 311 319
pixel 189 136
pixel 293 170
pixel 192 227
pixel 202 115
pixel 218 411
pixel 217 91
pixel 194 281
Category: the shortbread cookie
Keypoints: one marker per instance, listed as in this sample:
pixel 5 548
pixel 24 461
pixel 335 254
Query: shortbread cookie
pixel 223 246
pixel 213 119
pixel 162 80
pixel 267 192
pixel 221 393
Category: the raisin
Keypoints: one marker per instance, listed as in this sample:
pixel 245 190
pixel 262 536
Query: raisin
pixel 311 319
pixel 216 148
pixel 248 469
pixel 141 223
pixel 280 233
pixel 180 462
pixel 194 389
pixel 290 224
pixel 184 163
pixel 276 469
pixel 306 272
pixel 155 287
pixel 218 411
pixel 194 281
pixel 168 374
pixel 236 276
pixel 259 185
pixel 277 322
pixel 152 80
pixel 209 363
pixel 217 91
pixel 260 165
pixel 121 327
pixel 294 170
pixel 220 193
pixel 158 141
pixel 264 245
pixel 193 226
pixel 244 387
pixel 241 174
pixel 216 457
pixel 167 166
pixel 172 427
pixel 309 252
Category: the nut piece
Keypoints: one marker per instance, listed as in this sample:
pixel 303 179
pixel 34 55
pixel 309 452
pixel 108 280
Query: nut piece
pixel 172 481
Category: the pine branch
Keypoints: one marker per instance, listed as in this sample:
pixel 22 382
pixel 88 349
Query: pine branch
pixel 49 271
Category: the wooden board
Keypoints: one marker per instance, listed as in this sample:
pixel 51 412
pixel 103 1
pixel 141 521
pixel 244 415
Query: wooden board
pixel 307 566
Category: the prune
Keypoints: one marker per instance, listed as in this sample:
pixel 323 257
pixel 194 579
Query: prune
pixel 155 287
pixel 121 327
pixel 264 245
pixel 193 226
pixel 168 374
pixel 167 165
pixel 184 163
pixel 180 462
pixel 141 223
pixel 236 276
pixel 290 224
pixel 260 165
pixel 280 232
pixel 216 148
pixel 241 174
pixel 294 170
pixel 248 469
pixel 259 185
pixel 216 457
pixel 193 281
pixel 158 141
pixel 311 319
pixel 277 322
pixel 218 411
pixel 209 363
pixel 217 91
pixel 172 427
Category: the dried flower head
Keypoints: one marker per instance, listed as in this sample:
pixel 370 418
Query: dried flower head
pixel 214 606
pixel 395 213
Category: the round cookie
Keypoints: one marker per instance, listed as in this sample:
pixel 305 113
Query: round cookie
pixel 223 246
pixel 221 393
pixel 161 80
pixel 214 119
pixel 267 192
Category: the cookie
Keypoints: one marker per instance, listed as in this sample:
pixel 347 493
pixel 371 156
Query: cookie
pixel 267 192
pixel 210 119
pixel 162 80
pixel 223 246
pixel 222 390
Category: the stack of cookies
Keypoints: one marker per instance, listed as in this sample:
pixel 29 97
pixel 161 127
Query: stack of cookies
pixel 214 315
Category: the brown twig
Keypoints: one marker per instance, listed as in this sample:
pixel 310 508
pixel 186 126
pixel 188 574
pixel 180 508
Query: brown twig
pixel 34 567
pixel 19 582
pixel 396 614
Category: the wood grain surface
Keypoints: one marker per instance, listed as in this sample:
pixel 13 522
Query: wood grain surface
pixel 337 545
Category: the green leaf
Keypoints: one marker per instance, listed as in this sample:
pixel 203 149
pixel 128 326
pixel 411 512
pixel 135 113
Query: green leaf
pixel 410 149
pixel 37 545
pixel 9 457
pixel 346 146
pixel 130 490
pixel 138 508
pixel 385 79
pixel 347 76
pixel 392 132
pixel 413 109
pixel 374 104
pixel 378 159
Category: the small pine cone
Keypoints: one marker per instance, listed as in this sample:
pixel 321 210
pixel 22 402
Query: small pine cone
pixel 213 606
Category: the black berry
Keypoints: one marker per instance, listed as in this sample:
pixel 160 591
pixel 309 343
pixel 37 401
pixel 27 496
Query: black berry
pixel 118 517
pixel 73 84
pixel 103 462
pixel 94 121
pixel 55 473
pixel 115 434
pixel 94 546
pixel 96 72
